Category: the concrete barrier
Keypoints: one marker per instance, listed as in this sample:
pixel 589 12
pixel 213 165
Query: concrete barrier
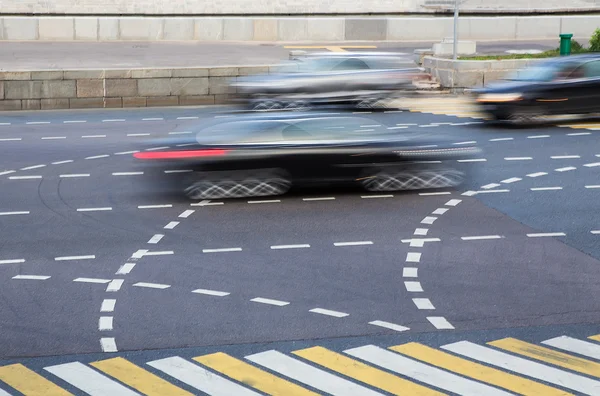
pixel 294 29
pixel 113 88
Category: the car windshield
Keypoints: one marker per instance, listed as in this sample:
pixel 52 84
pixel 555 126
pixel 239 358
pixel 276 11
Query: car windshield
pixel 538 73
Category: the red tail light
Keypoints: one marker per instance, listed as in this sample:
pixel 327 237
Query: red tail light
pixel 180 154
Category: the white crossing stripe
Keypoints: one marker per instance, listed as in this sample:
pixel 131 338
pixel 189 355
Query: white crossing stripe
pixel 108 344
pixel 199 378
pixel 414 287
pixel 440 323
pixel 389 325
pixel 413 257
pixel 156 238
pixel 423 303
pixel 328 312
pixel 309 375
pixel 270 301
pixel 88 380
pixel 429 220
pixel 410 272
pixel 453 202
pixel 440 211
pixel 511 180
pixel 574 345
pixel 537 174
pixel 525 367
pixel 423 372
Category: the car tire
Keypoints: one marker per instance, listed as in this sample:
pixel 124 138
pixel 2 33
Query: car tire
pixel 409 179
pixel 523 118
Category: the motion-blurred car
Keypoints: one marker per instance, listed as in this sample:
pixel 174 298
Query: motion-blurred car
pixel 359 80
pixel 260 155
pixel 557 86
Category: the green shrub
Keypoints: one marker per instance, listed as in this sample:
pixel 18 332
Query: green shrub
pixel 595 41
pixel 576 47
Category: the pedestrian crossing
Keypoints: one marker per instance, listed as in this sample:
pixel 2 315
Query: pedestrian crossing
pixel 563 365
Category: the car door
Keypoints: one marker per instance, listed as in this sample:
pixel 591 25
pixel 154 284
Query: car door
pixel 562 94
pixel 590 87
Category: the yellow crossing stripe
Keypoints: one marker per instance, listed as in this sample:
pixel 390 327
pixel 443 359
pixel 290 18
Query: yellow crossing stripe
pixel 476 371
pixel 138 378
pixel 362 372
pixel 28 382
pixel 595 337
pixel 252 376
pixel 549 356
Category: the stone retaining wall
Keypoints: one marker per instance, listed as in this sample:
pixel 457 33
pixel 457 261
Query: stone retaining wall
pixel 114 88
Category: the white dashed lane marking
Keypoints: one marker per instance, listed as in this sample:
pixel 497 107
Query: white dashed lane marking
pixel 127 152
pixel 137 134
pixel 25 177
pixel 595 232
pixel 440 323
pixel 428 220
pixel 421 231
pixel 115 120
pixel 547 234
pixel 511 180
pixel 473 160
pixel 545 188
pixel 62 162
pixel 565 156
pixel 73 175
pixel 97 156
pixel 480 238
pixel 158 253
pixel 71 258
pixel 423 303
pixel 211 292
pixel 54 137
pixel 186 214
pixel 440 211
pixel 156 238
pixel 566 169
pixel 388 325
pixel 153 119
pixel 151 285
pixel 125 269
pixel 6 172
pixel 265 201
pixel 453 202
pixel 410 272
pixel 105 323
pixel 537 174
pixel 31 277
pixel 592 165
pixel 12 261
pixel 377 196
pixel 93 136
pixel 518 158
pixel 127 173
pixel 319 199
pixel 412 257
pixel 14 213
pixel 33 167
pixel 593 186
pixel 579 134
pixel 501 139
pixel 37 122
pixel 490 186
pixel 94 209
pixel 435 193
pixel 91 280
pixel 108 305
pixel 538 137
pixel 154 206
pixel 301 246
pixel 328 312
pixel 171 225
pixel 74 122
pixel 10 139
pixel 358 243
pixel 223 250
pixel 108 345
pixel 269 301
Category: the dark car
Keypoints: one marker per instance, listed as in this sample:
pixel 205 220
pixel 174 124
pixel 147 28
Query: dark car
pixel 260 155
pixel 565 85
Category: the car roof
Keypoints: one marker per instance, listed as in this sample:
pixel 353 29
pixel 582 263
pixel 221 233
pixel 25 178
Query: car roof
pixel 579 58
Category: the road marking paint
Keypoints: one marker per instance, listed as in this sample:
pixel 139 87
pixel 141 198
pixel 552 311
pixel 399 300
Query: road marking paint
pixel 97 156
pixel 524 366
pixel 362 372
pixel 388 325
pixel 178 171
pixel 114 285
pixel 376 196
pixel 566 169
pixel 319 199
pixel 358 243
pixel 114 120
pixel 501 139
pixel 94 209
pixel 211 292
pixel 156 238
pixel 453 202
pixel 69 258
pixel 423 303
pixel 428 162
pixel 186 214
pixel 574 345
pixel 108 305
pixel 73 175
pixel 171 225
pixel 440 323
pixel 224 250
pixel 92 280
pixel 93 136
pixel 153 119
pixel 28 382
pixel 491 191
pixel 538 136
pixel 592 165
pixel 33 167
pixel 489 186
pixel 105 323
pixel 88 380
pixel 263 202
pixel 139 254
pixel 37 122
pixel 518 158
pixel 410 272
pixel 12 261
pixel 565 156
pixel 6 172
pixel 537 174
pixel 302 246
pixel 419 242
pixel 547 234
pixel 421 231
pixel 62 162
pixel 304 373
pixel 14 213
pixel 593 186
pixel 127 173
pixel 407 124
pixel 138 378
pixel 489 375
pixel 397 127
pixel 414 287
pixel 53 137
pixel 180 133
pixel 186 144
pixel 154 206
pixel 428 126
pixel 74 122
pixel 463 143
pixel 429 220
pixel 127 152
pixel 137 134
pixel 269 301
pixel 187 118
pixel 412 257
pixel 545 188
pixel 511 180
pixel 10 139
pixel 125 269
pixel 199 378
pixel 31 277
pixel 151 285
pixel 157 148
pixel 481 238
pixel 328 312
pixel 473 160
pixel 206 202
pixel 158 253
pixel 422 372
pixel 108 345
pixel 469 193
pixel 435 193
pixel 24 177
pixel 579 134
pixel 440 211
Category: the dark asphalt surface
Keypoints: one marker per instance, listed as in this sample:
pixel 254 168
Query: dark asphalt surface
pixel 513 285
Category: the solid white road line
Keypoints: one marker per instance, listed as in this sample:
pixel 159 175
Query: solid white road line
pixel 319 199
pixel 592 165
pixel 263 202
pixel 480 238
pixel 376 196
pixel 31 277
pixel 413 287
pixel 14 213
pixel 410 272
pixel 72 175
pixel 388 325
pixel 151 285
pixel 69 258
pixel 489 186
pixel 453 202
pixel 156 238
pixel 171 225
pixel 125 269
pixel 574 345
pixel 224 250
pixel 97 156
pixel 428 220
pixel 328 312
pixel 518 158
pixel 93 209
pixel 421 231
pixel 422 372
pixel 547 234
pixel 32 167
pixel 154 206
pixel 269 301
pixel 511 180
pixel 440 323
pixel 435 194
pixel 413 257
pixel 127 173
pixel 199 378
pixel 537 174
pixel 566 169
pixel 92 280
pixel 186 214
pixel 12 261
pixel 62 162
pixel 211 292
pixel 545 188
pixel 309 375
pixel 105 323
pixel 440 211
pixel 114 285
pixel 358 243
pixel 278 247
pixel 108 305
pixel 524 367
pixel 24 177
pixel 423 303
pixel 88 380
pixel 565 156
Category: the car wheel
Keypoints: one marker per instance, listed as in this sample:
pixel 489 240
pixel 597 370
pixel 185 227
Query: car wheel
pixel 398 180
pixel 523 117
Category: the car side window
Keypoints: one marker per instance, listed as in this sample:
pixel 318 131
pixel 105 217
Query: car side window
pixel 591 69
pixel 351 64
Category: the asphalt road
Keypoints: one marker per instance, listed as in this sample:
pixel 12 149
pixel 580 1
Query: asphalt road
pixel 98 260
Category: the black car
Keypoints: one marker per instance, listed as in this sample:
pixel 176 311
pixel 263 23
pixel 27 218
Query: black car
pixel 565 85
pixel 260 155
